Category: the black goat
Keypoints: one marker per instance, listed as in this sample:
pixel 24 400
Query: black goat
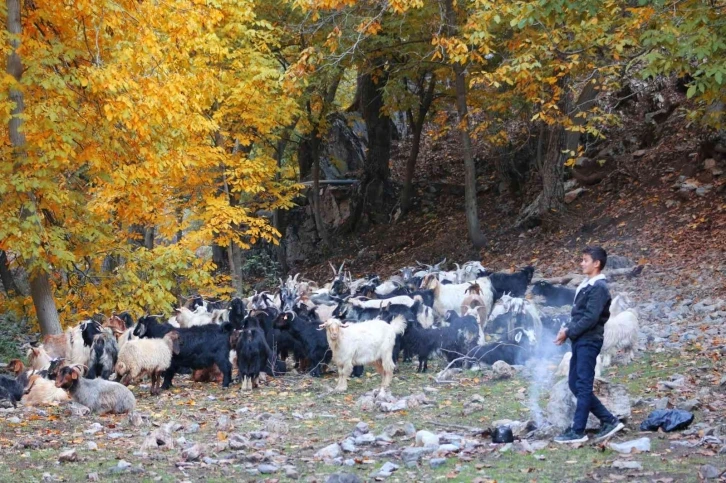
pixel 11 388
pixel 253 353
pixel 281 343
pixel 517 352
pixel 150 327
pixel 104 353
pixel 303 326
pixel 200 347
pixel 89 330
pixel 554 295
pixel 514 284
pixel 128 320
pixel 237 313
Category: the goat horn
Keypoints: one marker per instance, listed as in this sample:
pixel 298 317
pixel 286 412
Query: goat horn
pixel 331 266
pixel 344 325
pixel 341 266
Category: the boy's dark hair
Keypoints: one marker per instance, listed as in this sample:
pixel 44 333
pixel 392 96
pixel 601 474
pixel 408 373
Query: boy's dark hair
pixel 597 254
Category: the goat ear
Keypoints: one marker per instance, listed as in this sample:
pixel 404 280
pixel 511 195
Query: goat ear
pixel 175 346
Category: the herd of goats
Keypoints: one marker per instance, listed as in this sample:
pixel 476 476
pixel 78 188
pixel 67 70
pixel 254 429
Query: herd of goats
pixel 470 316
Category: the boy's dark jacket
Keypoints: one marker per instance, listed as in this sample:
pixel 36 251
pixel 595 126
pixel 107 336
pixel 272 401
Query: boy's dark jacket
pixel 590 311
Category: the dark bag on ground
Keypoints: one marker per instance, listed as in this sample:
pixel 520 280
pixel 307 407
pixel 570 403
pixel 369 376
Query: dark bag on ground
pixel 668 419
pixel 503 434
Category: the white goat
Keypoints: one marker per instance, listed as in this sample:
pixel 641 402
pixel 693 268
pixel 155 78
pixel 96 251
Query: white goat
pixel 621 331
pixel 38 358
pixel 365 303
pixel 363 343
pixel 451 297
pixel 42 392
pixel 186 318
pixel 563 370
pixel 142 356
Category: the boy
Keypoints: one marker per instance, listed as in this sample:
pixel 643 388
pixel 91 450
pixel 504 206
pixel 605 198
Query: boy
pixel 590 311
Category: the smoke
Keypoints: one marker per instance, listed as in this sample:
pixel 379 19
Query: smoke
pixel 541 374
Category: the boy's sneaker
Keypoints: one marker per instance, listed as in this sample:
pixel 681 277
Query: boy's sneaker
pixel 608 430
pixel 570 436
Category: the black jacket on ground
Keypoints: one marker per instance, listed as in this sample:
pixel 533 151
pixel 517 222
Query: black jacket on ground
pixel 590 311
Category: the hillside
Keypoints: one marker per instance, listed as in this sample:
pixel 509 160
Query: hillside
pixel 661 203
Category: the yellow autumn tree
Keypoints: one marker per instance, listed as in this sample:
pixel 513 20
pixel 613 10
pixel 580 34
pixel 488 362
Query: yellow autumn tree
pixel 138 116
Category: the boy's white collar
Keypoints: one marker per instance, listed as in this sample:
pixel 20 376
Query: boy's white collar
pixel 589 281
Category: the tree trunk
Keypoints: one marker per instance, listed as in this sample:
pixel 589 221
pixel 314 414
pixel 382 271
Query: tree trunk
pixel 470 202
pixel 317 216
pixel 7 276
pixel 426 97
pixel 40 289
pixel 378 126
pixel 559 145
pixel 149 237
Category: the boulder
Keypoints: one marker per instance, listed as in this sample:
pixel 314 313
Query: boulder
pixel 502 370
pixel 561 405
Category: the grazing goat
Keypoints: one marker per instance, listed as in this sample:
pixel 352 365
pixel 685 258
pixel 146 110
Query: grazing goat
pixel 98 395
pixel 147 356
pixel 302 325
pixel 104 352
pixel 514 284
pixel 621 331
pixel 253 353
pixel 367 342
pixel 200 347
pixel 554 295
pixel 516 352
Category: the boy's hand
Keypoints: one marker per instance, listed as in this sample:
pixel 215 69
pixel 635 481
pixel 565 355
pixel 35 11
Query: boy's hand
pixel 561 337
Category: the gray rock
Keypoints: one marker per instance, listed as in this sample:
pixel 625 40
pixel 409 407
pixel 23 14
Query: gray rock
pixel 93 429
pixel 384 438
pixel 561 405
pixel 437 462
pixel 209 461
pixel 192 428
pixel 505 448
pixel 192 453
pixel 627 465
pixel 267 469
pixel 123 464
pixel 92 446
pixel 343 478
pixel 414 454
pixel 348 445
pixel 661 403
pixel 571 196
pixel 447 448
pixel 386 470
pixel 237 441
pixel 349 462
pixel 427 438
pixel 68 456
pixel 362 428
pixel 709 472
pixel 409 430
pixel 330 452
pixel 690 405
pixel 641 444
pixel 115 435
pixel 365 439
pixel 292 473
pixel 224 423
pixel 502 370
pixel 93 477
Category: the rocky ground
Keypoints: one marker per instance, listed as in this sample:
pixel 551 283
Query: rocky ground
pixel 435 426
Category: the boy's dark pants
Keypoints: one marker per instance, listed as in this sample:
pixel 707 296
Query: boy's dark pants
pixel 582 377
